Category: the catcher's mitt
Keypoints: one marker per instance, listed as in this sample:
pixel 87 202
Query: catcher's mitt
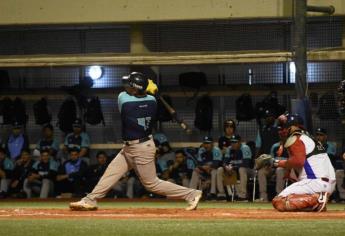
pixel 263 160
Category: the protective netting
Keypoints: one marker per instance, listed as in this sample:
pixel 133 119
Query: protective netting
pixel 229 80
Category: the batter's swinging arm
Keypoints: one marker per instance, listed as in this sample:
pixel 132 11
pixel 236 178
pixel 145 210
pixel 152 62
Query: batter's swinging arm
pixel 174 115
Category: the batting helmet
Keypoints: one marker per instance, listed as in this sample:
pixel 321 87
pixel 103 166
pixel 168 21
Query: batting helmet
pixel 136 80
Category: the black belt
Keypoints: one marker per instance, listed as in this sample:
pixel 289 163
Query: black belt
pixel 136 141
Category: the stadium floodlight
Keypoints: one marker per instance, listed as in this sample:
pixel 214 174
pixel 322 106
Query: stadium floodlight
pixel 292 69
pixel 95 72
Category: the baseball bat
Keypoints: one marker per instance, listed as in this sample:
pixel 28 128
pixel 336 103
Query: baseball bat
pixel 174 115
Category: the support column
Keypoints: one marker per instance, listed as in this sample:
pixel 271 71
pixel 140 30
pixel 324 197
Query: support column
pixel 300 47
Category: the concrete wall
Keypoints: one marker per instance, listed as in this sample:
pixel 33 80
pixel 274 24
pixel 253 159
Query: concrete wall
pixel 14 12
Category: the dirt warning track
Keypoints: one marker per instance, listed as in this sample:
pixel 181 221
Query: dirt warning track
pixel 170 213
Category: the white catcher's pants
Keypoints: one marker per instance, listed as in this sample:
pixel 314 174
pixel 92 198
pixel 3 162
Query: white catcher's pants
pixel 309 186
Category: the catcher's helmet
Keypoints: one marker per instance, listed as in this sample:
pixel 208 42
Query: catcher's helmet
pixel 294 119
pixel 136 80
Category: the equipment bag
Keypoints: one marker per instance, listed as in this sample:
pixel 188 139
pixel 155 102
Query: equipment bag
pixel 6 111
pixel 162 112
pixel 94 113
pixel 19 111
pixel 328 107
pixel 41 112
pixel 67 115
pixel 204 113
pixel 4 80
pixel 244 108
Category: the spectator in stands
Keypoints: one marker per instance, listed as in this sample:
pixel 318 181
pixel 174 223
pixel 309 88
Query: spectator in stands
pixel 78 139
pixel 340 179
pixel 41 178
pixel 48 142
pixel 21 171
pixel 96 171
pixel 279 153
pixel 267 135
pixel 236 162
pixel 209 159
pixel 229 130
pixel 71 175
pixel 6 170
pixel 178 171
pixel 16 142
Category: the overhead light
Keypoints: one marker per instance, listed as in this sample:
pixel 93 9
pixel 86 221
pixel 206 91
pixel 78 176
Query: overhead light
pixel 292 70
pixel 292 67
pixel 95 72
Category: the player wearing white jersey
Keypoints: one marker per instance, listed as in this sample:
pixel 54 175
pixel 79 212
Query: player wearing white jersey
pixel 311 164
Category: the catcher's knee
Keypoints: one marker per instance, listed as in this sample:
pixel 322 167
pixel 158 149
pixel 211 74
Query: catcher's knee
pixel 279 203
pixel 296 202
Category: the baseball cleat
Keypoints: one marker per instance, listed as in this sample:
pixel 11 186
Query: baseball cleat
pixel 83 205
pixel 323 199
pixel 193 204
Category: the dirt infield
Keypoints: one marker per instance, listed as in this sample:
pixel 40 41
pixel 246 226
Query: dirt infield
pixel 159 213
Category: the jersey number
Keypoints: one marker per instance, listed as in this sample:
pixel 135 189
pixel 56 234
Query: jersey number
pixel 144 122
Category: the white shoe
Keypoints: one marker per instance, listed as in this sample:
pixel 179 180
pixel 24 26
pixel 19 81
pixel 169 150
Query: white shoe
pixel 261 200
pixel 83 205
pixel 323 199
pixel 193 204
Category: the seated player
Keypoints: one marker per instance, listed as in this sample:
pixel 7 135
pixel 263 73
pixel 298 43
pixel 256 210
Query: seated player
pixel 94 172
pixel 16 142
pixel 21 171
pixel 209 159
pixel 236 162
pixel 47 141
pixel 307 158
pixel 229 128
pixel 6 170
pixel 78 139
pixel 178 170
pixel 71 175
pixel 42 176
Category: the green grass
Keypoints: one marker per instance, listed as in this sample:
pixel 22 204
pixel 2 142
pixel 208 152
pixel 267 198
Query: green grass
pixel 152 227
pixel 170 227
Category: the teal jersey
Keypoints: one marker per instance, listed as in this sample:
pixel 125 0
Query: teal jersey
pixel 138 115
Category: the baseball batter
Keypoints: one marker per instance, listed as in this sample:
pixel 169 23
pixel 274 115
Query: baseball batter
pixel 138 111
pixel 309 160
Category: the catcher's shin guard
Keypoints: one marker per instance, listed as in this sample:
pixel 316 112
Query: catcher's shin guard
pixel 300 202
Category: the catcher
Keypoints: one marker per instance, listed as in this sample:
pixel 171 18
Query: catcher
pixel 309 160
